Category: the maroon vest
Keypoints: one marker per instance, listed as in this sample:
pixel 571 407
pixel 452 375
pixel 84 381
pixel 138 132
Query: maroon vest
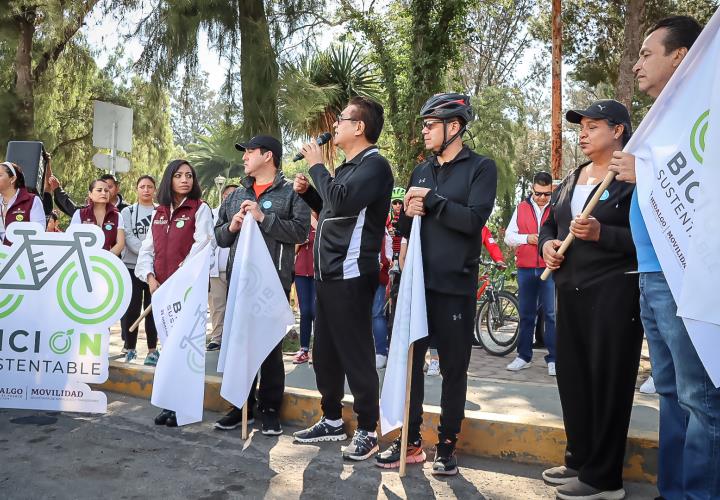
pixel 527 255
pixel 20 211
pixel 109 225
pixel 173 237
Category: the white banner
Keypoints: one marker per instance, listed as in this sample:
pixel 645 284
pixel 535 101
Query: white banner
pixel 257 315
pixel 410 324
pixel 59 295
pixel 180 308
pixel 677 156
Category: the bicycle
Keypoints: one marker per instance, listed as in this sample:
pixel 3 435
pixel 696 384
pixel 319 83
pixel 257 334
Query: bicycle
pixel 100 277
pixel 497 319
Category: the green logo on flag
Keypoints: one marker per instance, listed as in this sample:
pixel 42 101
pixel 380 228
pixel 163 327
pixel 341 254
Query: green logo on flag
pixel 697 136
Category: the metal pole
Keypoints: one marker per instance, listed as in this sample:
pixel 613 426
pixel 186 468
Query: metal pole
pixel 556 144
pixel 113 151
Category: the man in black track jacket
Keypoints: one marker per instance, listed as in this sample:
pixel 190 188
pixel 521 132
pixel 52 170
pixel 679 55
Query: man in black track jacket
pixel 353 208
pixel 454 192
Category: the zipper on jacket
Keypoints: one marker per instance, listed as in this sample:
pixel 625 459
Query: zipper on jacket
pixel 319 236
pixel 280 259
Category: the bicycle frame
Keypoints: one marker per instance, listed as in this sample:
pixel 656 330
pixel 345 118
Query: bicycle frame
pixel 37 264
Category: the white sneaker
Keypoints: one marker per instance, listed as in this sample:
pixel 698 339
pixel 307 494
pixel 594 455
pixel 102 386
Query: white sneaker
pixel 648 387
pixel 518 364
pixel 551 368
pixel 380 361
pixel 433 368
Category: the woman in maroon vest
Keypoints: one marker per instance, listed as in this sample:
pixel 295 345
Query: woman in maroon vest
pixel 181 225
pixel 17 204
pixel 102 213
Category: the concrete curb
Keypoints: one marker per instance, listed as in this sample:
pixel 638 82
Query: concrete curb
pixel 533 441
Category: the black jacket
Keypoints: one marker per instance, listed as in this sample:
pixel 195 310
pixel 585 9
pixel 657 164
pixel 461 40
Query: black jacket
pixel 286 223
pixel 353 208
pixel 589 262
pixel 461 198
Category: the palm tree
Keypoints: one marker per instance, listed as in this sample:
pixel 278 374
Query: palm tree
pixel 215 154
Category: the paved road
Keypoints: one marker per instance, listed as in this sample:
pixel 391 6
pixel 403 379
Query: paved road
pixel 123 455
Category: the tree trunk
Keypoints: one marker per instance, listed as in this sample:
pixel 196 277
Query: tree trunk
pixel 24 119
pixel 258 71
pixel 625 85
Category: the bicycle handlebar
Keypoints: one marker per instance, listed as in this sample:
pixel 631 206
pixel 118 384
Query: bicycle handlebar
pixel 91 237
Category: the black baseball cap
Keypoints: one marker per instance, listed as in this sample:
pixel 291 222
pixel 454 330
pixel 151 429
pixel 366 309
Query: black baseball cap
pixel 263 141
pixel 606 109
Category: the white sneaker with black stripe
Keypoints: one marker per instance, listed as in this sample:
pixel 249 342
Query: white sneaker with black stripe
pixel 321 431
pixel 362 447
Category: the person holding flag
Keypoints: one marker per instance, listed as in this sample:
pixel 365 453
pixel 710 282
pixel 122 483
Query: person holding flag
pixel 455 187
pixel 284 221
pixel 180 227
pixel 689 440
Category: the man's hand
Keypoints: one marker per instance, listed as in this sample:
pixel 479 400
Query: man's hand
pixel 152 283
pixel 623 164
pixel 416 192
pixel 237 221
pixel 253 209
pixel 415 207
pixel 300 184
pixel 53 182
pixel 550 255
pixel 585 229
pixel 501 265
pixel 312 152
pixel 532 239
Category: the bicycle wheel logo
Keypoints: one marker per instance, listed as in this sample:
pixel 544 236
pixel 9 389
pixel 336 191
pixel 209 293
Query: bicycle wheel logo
pixel 9 301
pixel 90 307
pixel 697 136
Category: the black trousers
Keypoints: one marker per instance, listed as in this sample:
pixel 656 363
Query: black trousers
pixel 599 337
pixel 344 347
pixel 139 301
pixel 450 331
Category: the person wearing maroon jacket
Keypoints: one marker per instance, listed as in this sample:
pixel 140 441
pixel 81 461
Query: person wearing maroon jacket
pixel 16 203
pixel 305 287
pixel 181 226
pixel 102 213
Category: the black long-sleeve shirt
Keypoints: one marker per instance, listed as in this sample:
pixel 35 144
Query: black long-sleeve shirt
pixel 461 198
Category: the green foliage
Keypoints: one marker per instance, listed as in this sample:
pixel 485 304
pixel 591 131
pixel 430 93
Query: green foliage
pixel 214 154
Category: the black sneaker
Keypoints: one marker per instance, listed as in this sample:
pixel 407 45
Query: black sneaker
pixel 271 423
pixel 321 431
pixel 172 420
pixel 233 419
pixel 363 445
pixel 577 490
pixel 445 463
pixel 163 417
pixel 213 346
pixel 390 458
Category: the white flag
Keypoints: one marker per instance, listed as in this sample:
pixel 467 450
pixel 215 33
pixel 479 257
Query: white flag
pixel 257 315
pixel 180 310
pixel 677 149
pixel 410 325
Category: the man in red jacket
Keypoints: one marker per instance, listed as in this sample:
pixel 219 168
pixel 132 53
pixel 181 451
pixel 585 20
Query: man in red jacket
pixel 522 232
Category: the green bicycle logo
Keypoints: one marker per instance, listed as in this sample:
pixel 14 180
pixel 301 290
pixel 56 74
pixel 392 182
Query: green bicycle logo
pixel 60 342
pixel 90 290
pixel 697 136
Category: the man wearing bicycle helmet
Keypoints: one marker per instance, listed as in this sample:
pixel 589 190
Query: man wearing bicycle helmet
pixel 454 191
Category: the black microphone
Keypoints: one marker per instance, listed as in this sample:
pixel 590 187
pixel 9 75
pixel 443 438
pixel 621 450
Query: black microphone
pixel 322 139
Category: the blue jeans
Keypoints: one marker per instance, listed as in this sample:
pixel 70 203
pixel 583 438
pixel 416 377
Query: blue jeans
pixel 689 455
pixel 379 322
pixel 531 289
pixel 305 286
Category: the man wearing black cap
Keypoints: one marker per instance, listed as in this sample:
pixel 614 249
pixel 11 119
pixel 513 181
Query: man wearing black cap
pixel 284 220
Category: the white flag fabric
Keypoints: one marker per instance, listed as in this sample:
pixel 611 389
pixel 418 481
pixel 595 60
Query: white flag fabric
pixel 257 315
pixel 677 149
pixel 180 308
pixel 410 324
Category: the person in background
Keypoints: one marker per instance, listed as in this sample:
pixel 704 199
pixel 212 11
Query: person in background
pixel 522 233
pixel 17 204
pixel 136 219
pixel 67 206
pixel 53 226
pixel 218 283
pixel 305 287
pixel 100 212
pixel 380 322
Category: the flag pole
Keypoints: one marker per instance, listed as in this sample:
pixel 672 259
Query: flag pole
pixel 406 413
pixel 135 325
pixel 584 215
pixel 245 421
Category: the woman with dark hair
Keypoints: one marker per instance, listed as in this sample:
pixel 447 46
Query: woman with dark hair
pixel 180 226
pixel 101 212
pixel 598 328
pixel 17 204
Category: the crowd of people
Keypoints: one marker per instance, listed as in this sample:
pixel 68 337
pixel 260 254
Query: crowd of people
pixel 341 238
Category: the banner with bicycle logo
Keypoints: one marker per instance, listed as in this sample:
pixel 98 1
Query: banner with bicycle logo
pixel 59 295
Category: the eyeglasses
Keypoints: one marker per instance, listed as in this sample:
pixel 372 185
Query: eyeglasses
pixel 539 193
pixel 340 118
pixel 429 123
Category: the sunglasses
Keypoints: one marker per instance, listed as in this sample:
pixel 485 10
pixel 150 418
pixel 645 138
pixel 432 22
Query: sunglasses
pixel 429 123
pixel 539 193
pixel 397 202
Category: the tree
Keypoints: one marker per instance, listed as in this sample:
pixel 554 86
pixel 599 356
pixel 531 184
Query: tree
pixel 215 154
pixel 196 109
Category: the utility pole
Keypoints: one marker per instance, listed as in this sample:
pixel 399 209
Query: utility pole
pixel 556 117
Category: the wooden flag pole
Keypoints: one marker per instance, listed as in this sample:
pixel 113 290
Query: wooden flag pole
pixel 584 215
pixel 245 421
pixel 135 325
pixel 406 413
